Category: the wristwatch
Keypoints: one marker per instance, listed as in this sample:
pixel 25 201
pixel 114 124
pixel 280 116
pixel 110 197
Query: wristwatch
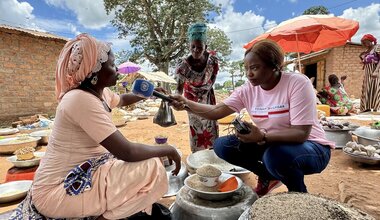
pixel 264 140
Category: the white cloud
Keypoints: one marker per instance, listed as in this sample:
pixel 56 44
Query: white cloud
pixel 368 18
pixel 20 14
pixel 293 1
pixel 240 28
pixel 223 3
pixel 15 13
pixel 90 13
pixel 117 43
pixel 57 3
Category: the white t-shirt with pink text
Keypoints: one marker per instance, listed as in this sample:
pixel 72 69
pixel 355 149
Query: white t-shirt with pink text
pixel 290 102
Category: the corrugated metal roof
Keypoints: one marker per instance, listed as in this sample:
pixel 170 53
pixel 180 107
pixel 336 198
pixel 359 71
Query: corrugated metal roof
pixel 35 33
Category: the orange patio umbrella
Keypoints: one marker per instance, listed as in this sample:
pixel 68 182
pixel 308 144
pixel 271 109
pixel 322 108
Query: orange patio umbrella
pixel 309 33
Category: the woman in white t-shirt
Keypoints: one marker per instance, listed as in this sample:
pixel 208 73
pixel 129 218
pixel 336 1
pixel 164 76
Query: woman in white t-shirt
pixel 287 141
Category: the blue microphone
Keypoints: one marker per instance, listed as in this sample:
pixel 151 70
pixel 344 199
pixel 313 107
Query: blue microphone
pixel 145 89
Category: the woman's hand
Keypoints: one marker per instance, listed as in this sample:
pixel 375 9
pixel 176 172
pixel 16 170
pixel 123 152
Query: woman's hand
pixel 179 102
pixel 256 135
pixel 174 156
pixel 161 90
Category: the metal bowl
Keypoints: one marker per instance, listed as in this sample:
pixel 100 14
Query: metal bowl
pixel 9 145
pixel 44 134
pixel 27 163
pixel 188 206
pixel 15 190
pixel 339 136
pixel 363 159
pixel 214 196
pixel 367 136
pixel 8 131
pixel 245 215
pixel 175 182
pixel 203 157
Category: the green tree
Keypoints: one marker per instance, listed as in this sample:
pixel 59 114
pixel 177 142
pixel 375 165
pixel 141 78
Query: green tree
pixel 316 10
pixel 239 83
pixel 123 56
pixel 218 41
pixel 218 86
pixel 235 70
pixel 228 84
pixel 159 27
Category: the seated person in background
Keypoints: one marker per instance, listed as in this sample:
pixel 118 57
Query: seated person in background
pixel 335 96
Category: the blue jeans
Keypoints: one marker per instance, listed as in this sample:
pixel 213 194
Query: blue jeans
pixel 287 162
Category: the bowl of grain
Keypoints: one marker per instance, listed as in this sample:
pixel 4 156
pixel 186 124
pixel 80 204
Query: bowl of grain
pixel 203 157
pixel 211 193
pixel 208 175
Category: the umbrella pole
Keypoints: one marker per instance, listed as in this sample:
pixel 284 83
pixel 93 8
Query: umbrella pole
pixel 298 55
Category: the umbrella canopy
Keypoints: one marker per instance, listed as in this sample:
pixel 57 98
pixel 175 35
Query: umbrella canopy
pixel 128 67
pixel 151 76
pixel 309 33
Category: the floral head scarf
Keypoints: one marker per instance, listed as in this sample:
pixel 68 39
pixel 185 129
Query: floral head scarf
pixel 79 58
pixel 197 31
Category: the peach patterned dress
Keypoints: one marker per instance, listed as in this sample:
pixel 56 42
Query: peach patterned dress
pixel 116 189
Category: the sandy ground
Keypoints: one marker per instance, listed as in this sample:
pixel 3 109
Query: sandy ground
pixel 343 179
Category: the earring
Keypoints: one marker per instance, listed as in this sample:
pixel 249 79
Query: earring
pixel 94 80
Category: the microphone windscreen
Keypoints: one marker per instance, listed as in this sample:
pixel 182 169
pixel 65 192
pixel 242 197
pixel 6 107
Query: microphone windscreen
pixel 142 88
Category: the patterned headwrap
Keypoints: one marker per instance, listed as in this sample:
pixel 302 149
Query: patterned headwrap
pixel 369 37
pixel 197 31
pixel 79 58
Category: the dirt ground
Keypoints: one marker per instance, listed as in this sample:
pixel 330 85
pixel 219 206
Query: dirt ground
pixel 343 179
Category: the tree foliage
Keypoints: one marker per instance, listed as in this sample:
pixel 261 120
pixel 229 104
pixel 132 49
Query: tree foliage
pixel 218 86
pixel 239 83
pixel 218 41
pixel 316 10
pixel 228 84
pixel 158 27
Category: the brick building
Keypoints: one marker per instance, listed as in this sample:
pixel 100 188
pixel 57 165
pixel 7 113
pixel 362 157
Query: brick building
pixel 27 72
pixel 343 60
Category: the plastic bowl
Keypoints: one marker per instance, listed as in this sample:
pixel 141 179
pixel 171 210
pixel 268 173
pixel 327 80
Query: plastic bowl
pixel 161 139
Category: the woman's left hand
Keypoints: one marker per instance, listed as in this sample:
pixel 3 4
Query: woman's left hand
pixel 179 102
pixel 161 90
pixel 256 135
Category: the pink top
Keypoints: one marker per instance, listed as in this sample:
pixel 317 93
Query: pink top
pixel 80 124
pixel 290 102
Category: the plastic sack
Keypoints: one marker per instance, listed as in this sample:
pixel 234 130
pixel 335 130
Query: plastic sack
pixel 164 117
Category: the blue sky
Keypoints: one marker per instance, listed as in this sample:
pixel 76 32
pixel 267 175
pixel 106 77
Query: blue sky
pixel 242 20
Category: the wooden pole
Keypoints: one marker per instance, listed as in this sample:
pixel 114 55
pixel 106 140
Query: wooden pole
pixel 298 55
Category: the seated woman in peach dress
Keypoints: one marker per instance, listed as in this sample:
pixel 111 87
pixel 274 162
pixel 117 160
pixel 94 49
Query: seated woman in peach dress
pixel 90 169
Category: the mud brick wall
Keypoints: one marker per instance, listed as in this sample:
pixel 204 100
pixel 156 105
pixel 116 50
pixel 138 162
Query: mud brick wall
pixel 341 61
pixel 345 61
pixel 27 74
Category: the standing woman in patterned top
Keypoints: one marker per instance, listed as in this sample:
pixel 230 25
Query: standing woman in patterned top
pixel 196 74
pixel 370 98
